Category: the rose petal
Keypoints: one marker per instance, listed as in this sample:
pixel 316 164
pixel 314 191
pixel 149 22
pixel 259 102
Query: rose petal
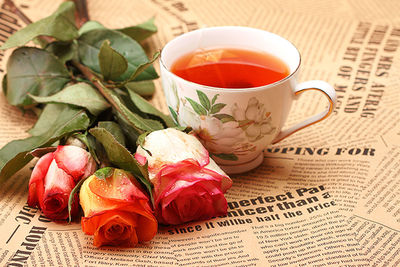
pixel 226 182
pixel 170 174
pixel 178 187
pixel 197 201
pixel 140 158
pixel 137 228
pixel 190 171
pixel 120 186
pixel 170 146
pixel 128 236
pixel 36 182
pixel 57 188
pixel 72 160
pixel 90 168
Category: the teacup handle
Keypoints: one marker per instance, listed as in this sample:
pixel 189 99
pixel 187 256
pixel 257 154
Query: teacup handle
pixel 320 86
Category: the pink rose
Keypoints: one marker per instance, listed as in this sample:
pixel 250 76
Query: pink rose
pixel 188 185
pixel 53 178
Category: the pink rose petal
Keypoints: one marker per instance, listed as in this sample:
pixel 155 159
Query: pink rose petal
pixel 72 160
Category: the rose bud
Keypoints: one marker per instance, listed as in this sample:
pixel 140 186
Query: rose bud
pixel 188 184
pixel 53 178
pixel 117 211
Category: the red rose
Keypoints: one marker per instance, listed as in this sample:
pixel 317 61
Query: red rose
pixel 53 178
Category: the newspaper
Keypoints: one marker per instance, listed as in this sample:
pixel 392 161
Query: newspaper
pixel 328 195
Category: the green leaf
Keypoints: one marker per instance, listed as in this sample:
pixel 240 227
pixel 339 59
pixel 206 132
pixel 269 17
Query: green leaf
pixel 224 117
pixel 90 143
pixel 204 101
pixel 49 113
pixel 89 26
pixel 143 67
pixel 136 121
pixel 114 129
pixel 131 133
pixel 197 107
pixel 41 151
pixel 185 129
pixel 63 51
pixel 104 173
pixel 174 115
pixel 231 157
pixel 80 94
pixel 71 198
pixel 143 88
pixel 89 47
pixel 34 71
pixel 121 157
pixel 140 141
pixel 217 108
pixel 140 31
pixel 148 108
pixel 14 155
pixel 112 63
pixel 60 25
pixel 214 99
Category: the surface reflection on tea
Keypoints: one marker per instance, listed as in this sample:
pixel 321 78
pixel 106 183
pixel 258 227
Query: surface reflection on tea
pixel 230 68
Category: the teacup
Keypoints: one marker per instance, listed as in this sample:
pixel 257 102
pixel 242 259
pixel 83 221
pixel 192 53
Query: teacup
pixel 244 121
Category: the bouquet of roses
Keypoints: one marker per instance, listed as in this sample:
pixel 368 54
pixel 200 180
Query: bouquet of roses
pixel 101 145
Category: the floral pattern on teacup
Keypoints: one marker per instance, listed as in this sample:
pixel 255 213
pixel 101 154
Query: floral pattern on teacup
pixel 225 136
pixel 255 120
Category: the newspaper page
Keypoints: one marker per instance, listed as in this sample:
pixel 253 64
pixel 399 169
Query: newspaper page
pixel 327 195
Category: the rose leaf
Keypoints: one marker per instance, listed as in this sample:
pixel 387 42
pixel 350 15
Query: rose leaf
pixel 120 156
pixel 33 71
pixel 63 51
pixel 80 94
pixel 143 88
pixel 136 121
pixel 148 108
pixel 112 63
pixel 14 155
pixel 141 31
pixel 89 48
pixel 114 129
pixel 60 25
pixel 90 25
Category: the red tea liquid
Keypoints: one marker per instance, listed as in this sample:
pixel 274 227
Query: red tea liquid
pixel 230 68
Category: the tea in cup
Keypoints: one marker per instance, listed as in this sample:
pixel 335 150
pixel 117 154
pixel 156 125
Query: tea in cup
pixel 234 86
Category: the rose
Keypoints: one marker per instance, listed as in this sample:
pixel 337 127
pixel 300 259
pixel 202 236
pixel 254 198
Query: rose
pixel 188 185
pixel 117 212
pixel 53 178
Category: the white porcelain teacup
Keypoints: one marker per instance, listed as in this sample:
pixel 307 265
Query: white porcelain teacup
pixel 234 145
